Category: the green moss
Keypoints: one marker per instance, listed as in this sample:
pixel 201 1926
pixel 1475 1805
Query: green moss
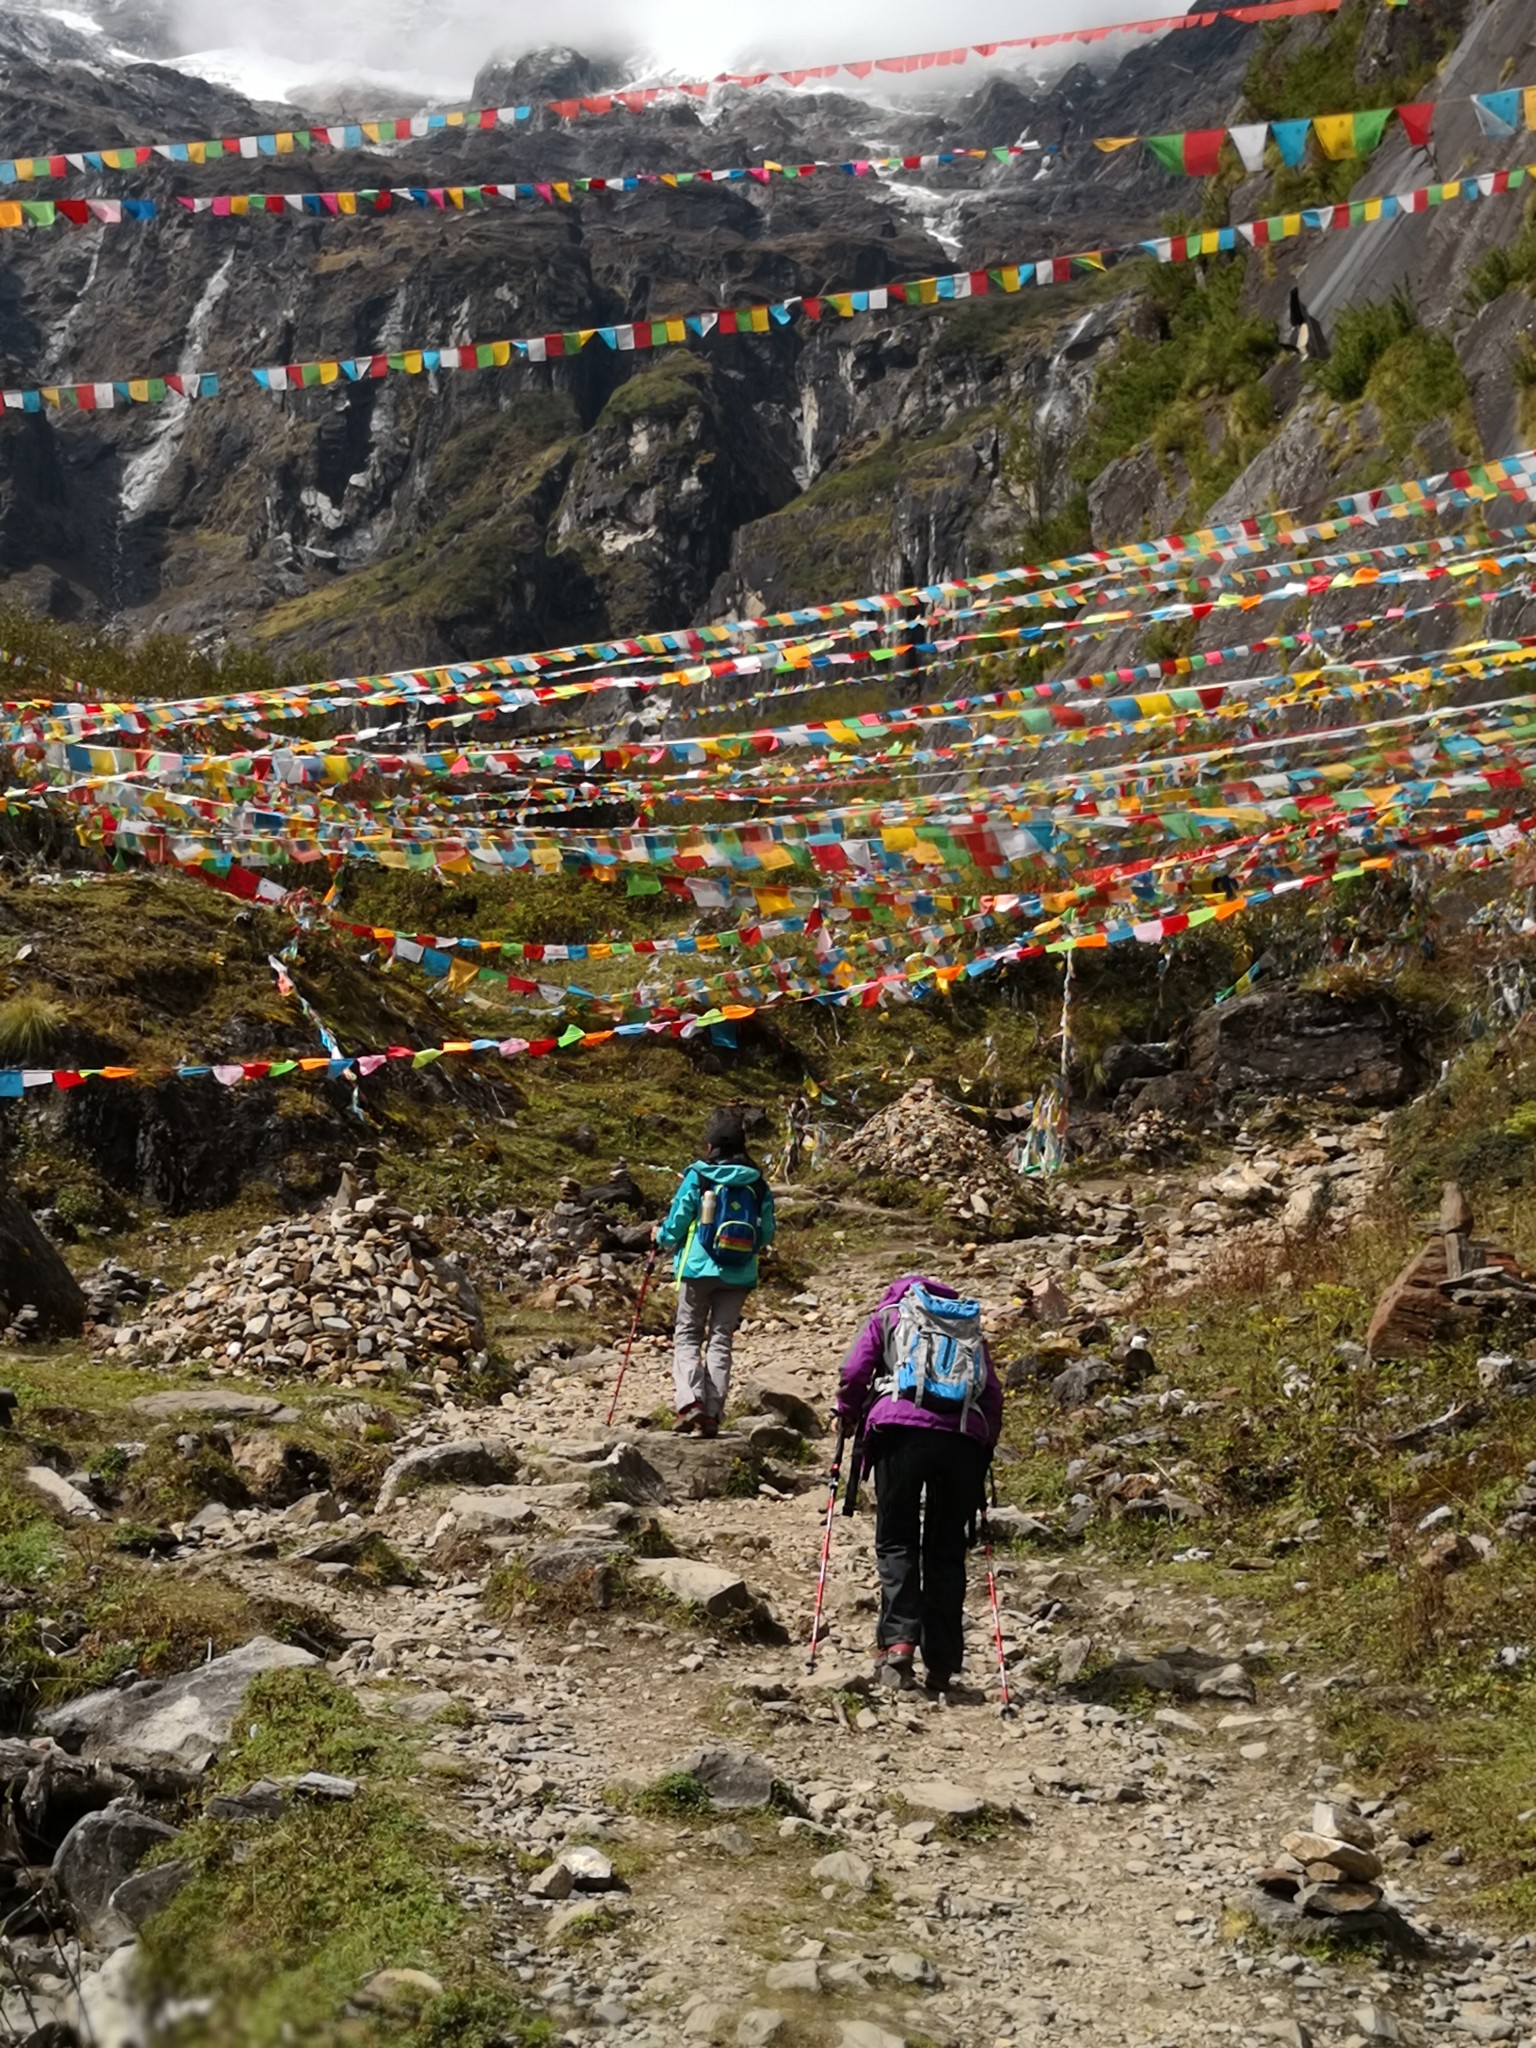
pixel 297 1721
pixel 679 1795
pixel 668 388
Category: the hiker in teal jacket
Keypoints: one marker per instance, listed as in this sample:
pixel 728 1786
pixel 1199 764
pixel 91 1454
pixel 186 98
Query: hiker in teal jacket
pixel 720 1218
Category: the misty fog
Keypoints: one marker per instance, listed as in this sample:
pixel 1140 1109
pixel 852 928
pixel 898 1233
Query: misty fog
pixel 439 47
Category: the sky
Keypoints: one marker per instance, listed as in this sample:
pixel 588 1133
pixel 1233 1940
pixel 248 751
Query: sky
pixel 437 46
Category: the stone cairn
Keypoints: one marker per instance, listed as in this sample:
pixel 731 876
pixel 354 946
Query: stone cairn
pixel 354 1293
pixel 923 1137
pixel 1330 1872
pixel 1454 1287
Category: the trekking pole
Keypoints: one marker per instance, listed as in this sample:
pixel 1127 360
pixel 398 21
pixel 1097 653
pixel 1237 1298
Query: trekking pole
pixel 1007 1709
pixel 826 1548
pixel 645 1282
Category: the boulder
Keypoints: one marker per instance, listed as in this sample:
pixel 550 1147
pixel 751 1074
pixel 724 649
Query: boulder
pixel 733 1778
pixel 182 1721
pixel 1363 1049
pixel 707 1586
pixel 761 2026
pixel 1125 1062
pixel 844 1869
pixel 693 1468
pixel 210 1405
pixel 577 1562
pixel 941 1796
pixel 148 1892
pixel 471 1462
pixel 275 1471
pixel 778 1397
pixel 60 1494
pixel 1190 1674
pixel 866 2034
pixel 503 1510
pixel 1078 1382
pixel 98 1855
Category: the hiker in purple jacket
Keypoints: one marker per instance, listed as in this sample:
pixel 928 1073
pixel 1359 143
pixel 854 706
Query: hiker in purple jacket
pixel 929 1458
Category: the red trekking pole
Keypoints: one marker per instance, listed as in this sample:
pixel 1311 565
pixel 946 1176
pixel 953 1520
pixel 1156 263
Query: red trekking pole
pixel 826 1548
pixel 645 1282
pixel 1007 1709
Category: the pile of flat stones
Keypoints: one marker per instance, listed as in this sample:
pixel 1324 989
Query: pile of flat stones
pixel 1331 1871
pixel 923 1137
pixel 353 1294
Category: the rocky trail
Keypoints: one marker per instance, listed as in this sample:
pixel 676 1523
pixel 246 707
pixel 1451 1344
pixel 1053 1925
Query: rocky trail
pixel 869 1869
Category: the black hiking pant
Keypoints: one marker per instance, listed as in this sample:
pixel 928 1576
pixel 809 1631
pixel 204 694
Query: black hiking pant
pixel 928 1487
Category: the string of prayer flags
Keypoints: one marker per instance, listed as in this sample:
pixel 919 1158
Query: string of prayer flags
pixel 1006 278
pixel 1498 839
pixel 633 99
pixel 1194 152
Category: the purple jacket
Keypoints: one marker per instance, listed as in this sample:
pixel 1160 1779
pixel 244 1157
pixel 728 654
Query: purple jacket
pixel 864 1362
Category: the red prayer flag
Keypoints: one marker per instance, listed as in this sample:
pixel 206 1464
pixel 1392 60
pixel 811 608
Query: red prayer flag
pixel 1417 122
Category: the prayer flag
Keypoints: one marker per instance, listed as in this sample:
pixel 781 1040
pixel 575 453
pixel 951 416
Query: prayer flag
pixel 1196 152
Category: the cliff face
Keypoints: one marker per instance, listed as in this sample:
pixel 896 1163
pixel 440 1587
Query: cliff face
pixel 390 522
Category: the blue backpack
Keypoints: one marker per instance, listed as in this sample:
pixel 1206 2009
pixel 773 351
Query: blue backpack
pixel 730 1235
pixel 934 1353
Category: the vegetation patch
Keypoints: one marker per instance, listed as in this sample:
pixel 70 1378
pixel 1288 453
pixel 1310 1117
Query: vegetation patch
pixel 282 1926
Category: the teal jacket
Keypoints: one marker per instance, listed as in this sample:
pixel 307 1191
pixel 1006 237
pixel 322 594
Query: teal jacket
pixel 680 1232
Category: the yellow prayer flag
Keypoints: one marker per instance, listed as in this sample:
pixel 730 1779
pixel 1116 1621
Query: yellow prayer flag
pixel 413 362
pixel 10 214
pixel 346 202
pixel 773 854
pixel 284 141
pixel 677 330
pixel 1530 107
pixel 329 372
pixel 1110 143
pixel 1336 134
pixel 562 191
pixel 772 902
pixel 898 838
pixel 461 973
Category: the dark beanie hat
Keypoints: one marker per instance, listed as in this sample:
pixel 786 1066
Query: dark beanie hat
pixel 725 1131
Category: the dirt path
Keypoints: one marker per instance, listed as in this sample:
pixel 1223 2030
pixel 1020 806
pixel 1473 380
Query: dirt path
pixel 1095 1894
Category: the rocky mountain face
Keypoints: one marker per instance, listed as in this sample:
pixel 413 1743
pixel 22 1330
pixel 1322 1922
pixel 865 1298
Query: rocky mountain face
pixel 410 519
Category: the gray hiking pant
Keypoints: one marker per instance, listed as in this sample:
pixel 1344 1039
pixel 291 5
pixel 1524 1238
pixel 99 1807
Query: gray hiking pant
pixel 708 1312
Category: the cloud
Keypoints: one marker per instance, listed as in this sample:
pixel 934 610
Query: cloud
pixel 439 47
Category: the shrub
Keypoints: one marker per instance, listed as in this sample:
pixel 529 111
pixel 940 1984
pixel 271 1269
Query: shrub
pixel 29 1027
pixel 1361 337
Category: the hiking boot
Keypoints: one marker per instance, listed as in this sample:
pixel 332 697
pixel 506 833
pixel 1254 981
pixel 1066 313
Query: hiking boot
pixel 893 1666
pixel 687 1422
pixel 938 1683
pixel 709 1425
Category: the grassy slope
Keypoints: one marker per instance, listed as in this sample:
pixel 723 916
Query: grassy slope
pixel 1314 1512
